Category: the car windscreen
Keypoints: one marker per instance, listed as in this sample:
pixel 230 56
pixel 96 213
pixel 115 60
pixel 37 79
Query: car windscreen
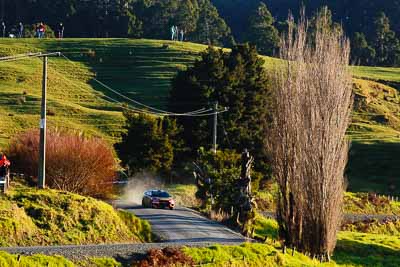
pixel 160 194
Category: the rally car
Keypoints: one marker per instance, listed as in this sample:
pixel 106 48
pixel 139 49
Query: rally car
pixel 157 199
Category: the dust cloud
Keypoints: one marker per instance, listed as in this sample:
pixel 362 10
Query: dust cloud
pixel 137 185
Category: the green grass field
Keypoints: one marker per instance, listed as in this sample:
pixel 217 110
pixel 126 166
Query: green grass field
pixel 142 69
pixel 377 73
pixel 352 249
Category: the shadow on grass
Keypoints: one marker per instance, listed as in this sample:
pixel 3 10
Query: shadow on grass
pixel 140 71
pixel 357 253
pixel 374 168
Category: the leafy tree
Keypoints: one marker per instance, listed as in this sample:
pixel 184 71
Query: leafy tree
pixel 187 16
pixel 222 188
pixel 262 32
pixel 135 26
pixel 326 23
pixel 355 16
pixel 387 46
pixel 362 53
pixel 211 28
pixel 236 80
pixel 147 144
pixel 157 17
pixel 223 169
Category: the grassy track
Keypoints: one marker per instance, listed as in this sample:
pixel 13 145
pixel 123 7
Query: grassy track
pixel 142 69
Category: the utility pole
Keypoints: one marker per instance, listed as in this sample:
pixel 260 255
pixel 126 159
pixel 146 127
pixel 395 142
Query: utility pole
pixel 42 146
pixel 215 127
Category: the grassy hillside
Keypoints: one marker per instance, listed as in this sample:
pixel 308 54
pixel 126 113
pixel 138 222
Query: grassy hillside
pixel 353 249
pixel 142 69
pixel 387 75
pixel 50 217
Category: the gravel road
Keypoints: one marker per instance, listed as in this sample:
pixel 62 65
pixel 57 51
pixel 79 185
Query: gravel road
pixel 183 225
pixel 175 228
pixel 122 252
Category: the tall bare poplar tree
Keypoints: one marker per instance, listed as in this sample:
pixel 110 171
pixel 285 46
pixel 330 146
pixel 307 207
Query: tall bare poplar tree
pixel 313 101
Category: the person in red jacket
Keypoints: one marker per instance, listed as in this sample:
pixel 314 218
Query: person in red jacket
pixel 41 30
pixel 4 162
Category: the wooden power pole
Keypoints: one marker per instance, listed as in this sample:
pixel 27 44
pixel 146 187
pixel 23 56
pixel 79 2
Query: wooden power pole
pixel 42 148
pixel 215 127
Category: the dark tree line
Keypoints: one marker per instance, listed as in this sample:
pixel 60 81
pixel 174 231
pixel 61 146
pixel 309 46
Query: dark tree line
pixel 373 26
pixel 123 18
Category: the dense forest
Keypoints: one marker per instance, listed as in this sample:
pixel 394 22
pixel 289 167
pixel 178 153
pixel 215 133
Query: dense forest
pixel 373 26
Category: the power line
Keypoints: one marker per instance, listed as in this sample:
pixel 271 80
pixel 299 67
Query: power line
pixel 28 55
pixel 163 112
pixel 153 111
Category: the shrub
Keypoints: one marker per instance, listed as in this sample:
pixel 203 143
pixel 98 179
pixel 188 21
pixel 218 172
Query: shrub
pixel 74 163
pixel 371 226
pixel 51 112
pixel 166 257
pixel 221 190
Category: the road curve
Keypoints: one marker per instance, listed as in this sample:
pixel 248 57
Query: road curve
pixel 175 228
pixel 183 225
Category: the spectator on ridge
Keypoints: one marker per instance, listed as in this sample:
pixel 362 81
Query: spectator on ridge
pixel 60 31
pixel 173 32
pixel 20 30
pixel 41 30
pixel 177 33
pixel 3 29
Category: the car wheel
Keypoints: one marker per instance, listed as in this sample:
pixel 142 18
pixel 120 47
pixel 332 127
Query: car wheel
pixel 143 204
